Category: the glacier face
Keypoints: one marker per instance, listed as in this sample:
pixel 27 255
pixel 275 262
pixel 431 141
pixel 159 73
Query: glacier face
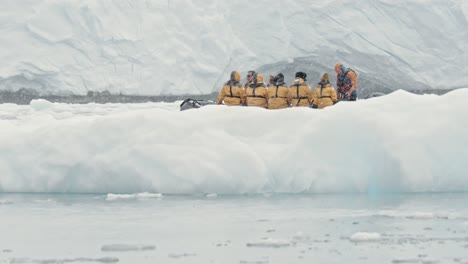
pixel 190 46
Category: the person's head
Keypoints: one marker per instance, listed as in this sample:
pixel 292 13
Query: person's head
pixel 257 78
pixel 272 80
pixel 279 78
pixel 340 68
pixel 325 79
pixel 250 75
pixel 235 76
pixel 301 75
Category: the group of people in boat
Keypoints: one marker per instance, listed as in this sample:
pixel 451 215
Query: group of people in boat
pixel 277 94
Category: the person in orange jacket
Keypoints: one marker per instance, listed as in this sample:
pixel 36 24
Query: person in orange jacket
pixel 257 92
pixel 324 93
pixel 278 93
pixel 232 93
pixel 346 83
pixel 301 93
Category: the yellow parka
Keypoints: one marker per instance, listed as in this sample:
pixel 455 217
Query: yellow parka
pixel 301 93
pixel 233 92
pixel 278 96
pixel 257 92
pixel 324 95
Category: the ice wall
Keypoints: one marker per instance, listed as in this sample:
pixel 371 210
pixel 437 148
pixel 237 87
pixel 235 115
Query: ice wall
pixel 190 46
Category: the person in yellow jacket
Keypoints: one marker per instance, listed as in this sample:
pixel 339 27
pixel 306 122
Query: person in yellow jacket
pixel 249 78
pixel 301 93
pixel 233 92
pixel 256 92
pixel 278 93
pixel 324 93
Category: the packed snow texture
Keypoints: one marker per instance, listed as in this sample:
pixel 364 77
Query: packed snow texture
pixel 401 142
pixel 188 46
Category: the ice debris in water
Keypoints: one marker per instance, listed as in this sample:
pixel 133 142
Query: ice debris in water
pixel 5 202
pixel 182 255
pixel 264 260
pixel 365 237
pixel 301 237
pixel 421 215
pixel 138 196
pixel 62 261
pixel 211 195
pixel 270 243
pixel 126 247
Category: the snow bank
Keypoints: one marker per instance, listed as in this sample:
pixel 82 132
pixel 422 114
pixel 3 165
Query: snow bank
pixel 185 46
pixel 398 143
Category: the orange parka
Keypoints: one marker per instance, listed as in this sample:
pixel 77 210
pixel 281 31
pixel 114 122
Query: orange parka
pixel 278 96
pixel 324 95
pixel 257 92
pixel 301 93
pixel 233 92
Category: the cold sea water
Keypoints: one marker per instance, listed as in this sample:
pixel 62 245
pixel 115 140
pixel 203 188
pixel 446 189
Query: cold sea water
pixel 247 229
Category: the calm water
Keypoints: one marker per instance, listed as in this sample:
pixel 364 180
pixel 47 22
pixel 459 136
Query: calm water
pixel 413 228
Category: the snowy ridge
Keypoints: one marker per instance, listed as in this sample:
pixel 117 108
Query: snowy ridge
pixel 398 143
pixel 184 46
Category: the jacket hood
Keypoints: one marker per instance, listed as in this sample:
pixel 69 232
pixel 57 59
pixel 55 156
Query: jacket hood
pixel 258 78
pixel 235 76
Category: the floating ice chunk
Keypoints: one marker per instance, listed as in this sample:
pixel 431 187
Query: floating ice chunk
pixel 71 260
pixel 139 196
pixel 211 195
pixel 400 261
pixel 44 201
pixel 387 214
pixel 365 237
pixel 40 105
pixel 300 237
pixel 421 215
pixel 270 243
pixel 264 260
pixel 183 255
pixel 413 215
pixel 126 247
pixel 5 202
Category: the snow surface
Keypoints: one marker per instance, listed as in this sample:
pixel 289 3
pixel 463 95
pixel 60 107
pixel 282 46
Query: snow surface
pixel 187 46
pixel 397 143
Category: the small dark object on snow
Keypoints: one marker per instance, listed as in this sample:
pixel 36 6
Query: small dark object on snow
pixel 376 94
pixel 194 104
